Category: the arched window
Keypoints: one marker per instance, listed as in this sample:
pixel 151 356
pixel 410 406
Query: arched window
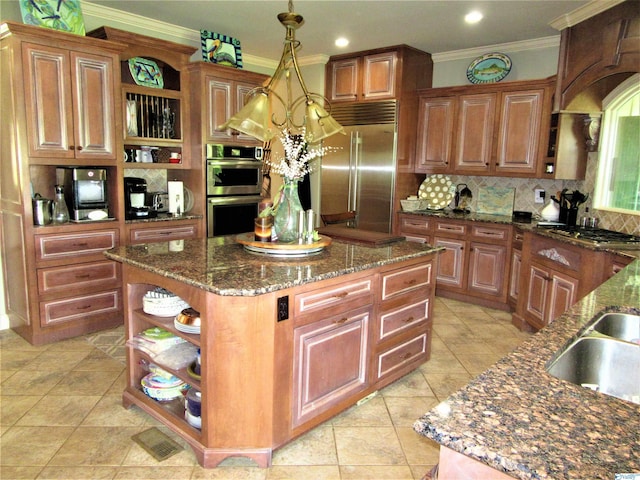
pixel 618 181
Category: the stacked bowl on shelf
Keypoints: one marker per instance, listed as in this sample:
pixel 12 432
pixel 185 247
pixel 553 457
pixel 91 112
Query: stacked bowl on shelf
pixel 162 303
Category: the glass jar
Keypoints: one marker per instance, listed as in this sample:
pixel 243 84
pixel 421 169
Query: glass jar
pixel 60 210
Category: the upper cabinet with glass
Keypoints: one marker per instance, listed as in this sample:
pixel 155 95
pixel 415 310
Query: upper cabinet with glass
pixel 155 93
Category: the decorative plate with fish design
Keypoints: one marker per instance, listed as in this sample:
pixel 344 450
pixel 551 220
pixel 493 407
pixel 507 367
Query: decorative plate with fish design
pixel 489 68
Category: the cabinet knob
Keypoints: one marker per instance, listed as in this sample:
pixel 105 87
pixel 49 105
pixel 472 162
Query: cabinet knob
pixel 72 147
pixel 79 148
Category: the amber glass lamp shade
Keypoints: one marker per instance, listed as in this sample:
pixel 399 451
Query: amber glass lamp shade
pixel 253 119
pixel 319 124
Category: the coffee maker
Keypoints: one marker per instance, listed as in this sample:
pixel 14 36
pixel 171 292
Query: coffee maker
pixel 135 193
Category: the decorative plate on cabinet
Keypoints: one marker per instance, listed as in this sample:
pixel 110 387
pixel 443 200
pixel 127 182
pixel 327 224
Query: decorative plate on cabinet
pixel 64 16
pixel 437 190
pixel 489 68
pixel 146 72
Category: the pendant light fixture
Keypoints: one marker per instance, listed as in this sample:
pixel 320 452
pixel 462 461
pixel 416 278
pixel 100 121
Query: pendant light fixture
pixel 258 117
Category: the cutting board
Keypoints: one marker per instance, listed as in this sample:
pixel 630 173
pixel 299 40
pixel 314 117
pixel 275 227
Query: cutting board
pixel 355 235
pixel 496 200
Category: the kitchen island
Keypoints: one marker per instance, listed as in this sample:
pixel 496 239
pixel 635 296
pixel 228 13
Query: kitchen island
pixel 286 343
pixel 517 419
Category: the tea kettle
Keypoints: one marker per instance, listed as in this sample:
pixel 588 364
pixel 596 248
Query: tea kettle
pixel 42 208
pixel 462 198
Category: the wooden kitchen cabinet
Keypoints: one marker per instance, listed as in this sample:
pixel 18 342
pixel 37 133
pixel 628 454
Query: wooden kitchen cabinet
pixel 370 76
pixel 339 340
pixel 474 260
pixel 435 134
pixel 495 130
pixel 474 134
pixel 596 55
pixel 154 115
pixel 386 74
pixel 59 94
pixel 554 275
pixel 70 104
pixel 219 92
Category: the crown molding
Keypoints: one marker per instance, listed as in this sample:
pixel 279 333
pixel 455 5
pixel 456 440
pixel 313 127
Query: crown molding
pixel 582 13
pixel 535 44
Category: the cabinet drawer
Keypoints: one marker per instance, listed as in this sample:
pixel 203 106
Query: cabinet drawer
pixel 144 235
pixel 82 307
pixel 490 233
pixel 447 228
pixel 65 279
pixel 401 319
pixel 415 224
pixel 52 247
pixel 398 282
pixel 342 296
pixel 401 355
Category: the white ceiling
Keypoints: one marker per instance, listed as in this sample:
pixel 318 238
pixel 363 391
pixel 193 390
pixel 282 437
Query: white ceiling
pixel 429 25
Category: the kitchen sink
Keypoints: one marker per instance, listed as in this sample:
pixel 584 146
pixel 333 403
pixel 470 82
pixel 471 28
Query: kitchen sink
pixel 605 358
pixel 603 364
pixel 619 325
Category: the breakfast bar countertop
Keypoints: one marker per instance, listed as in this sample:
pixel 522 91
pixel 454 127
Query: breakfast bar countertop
pixel 520 420
pixel 222 266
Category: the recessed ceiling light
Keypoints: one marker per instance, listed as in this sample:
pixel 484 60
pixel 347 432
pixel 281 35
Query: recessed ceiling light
pixel 342 42
pixel 473 17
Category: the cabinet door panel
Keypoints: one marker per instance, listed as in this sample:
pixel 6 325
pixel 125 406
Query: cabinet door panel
pixel 73 245
pixel 401 319
pixel 486 268
pixel 514 281
pixel 344 80
pixel 330 362
pixel 48 101
pixel 92 84
pixel 162 234
pixel 537 295
pixel 379 76
pixel 475 132
pixel 450 262
pixel 563 294
pixel 519 132
pixel 435 134
pixel 406 280
pixel 219 109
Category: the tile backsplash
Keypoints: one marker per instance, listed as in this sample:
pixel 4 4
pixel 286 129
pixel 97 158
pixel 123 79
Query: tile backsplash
pixel 525 195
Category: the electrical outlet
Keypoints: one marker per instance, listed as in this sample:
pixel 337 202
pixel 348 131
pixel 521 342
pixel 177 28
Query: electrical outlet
pixel 539 195
pixel 283 308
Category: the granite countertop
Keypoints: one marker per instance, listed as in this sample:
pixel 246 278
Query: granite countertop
pixel 222 266
pixel 518 419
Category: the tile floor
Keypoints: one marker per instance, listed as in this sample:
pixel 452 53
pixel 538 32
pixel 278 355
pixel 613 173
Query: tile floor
pixel 62 418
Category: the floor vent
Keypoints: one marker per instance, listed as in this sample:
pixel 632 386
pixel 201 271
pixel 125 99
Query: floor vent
pixel 157 444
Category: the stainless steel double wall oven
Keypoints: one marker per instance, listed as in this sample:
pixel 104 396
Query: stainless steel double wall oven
pixel 234 182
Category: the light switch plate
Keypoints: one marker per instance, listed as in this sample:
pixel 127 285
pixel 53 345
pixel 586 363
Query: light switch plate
pixel 538 195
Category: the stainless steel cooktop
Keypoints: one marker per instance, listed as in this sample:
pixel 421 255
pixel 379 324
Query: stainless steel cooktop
pixel 598 237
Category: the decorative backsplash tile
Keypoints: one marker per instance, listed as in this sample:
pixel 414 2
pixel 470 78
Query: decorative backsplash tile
pixel 156 178
pixel 525 187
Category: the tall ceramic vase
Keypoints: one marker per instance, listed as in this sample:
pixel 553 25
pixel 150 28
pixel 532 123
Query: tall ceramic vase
pixel 285 222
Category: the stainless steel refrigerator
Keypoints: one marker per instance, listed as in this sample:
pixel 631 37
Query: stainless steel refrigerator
pixel 360 174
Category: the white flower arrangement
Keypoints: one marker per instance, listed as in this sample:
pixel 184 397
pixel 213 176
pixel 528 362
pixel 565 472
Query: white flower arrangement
pixel 298 155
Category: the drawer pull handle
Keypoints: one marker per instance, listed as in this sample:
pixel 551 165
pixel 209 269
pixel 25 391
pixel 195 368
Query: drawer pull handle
pixel 341 295
pixel 341 321
pixel 80 277
pixel 83 244
pixel 413 281
pixel 84 307
pixel 490 233
pixel 407 356
pixel 409 320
